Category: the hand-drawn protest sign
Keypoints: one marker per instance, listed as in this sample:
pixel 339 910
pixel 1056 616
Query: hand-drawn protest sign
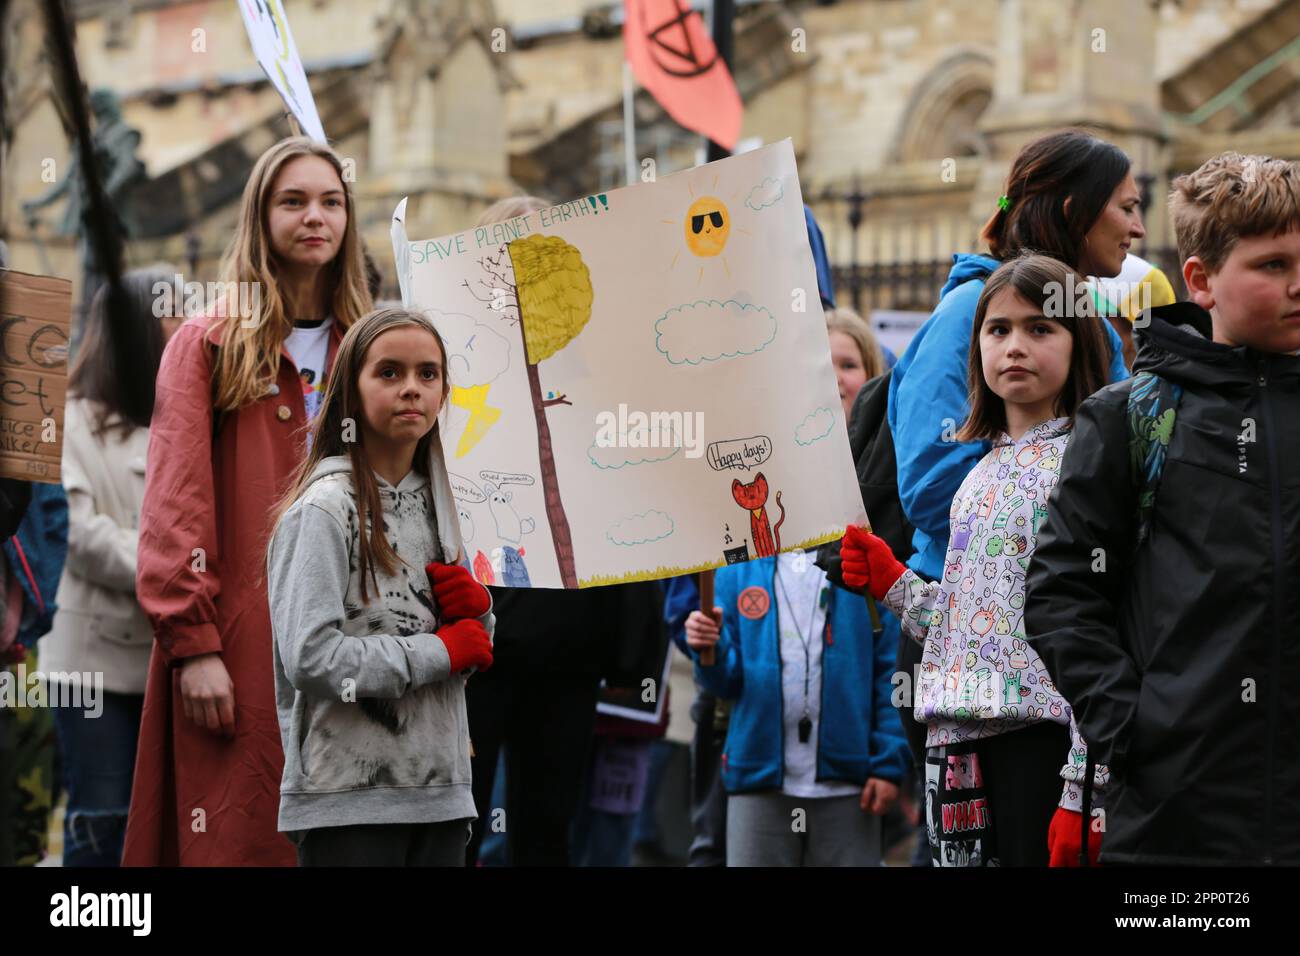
pixel 268 32
pixel 641 380
pixel 35 312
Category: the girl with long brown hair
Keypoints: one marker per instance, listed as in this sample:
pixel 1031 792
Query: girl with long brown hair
pixel 1069 195
pixel 998 730
pixel 374 616
pixel 234 396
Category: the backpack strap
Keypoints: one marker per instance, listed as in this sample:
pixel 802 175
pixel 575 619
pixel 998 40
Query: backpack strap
pixel 27 570
pixel 1152 410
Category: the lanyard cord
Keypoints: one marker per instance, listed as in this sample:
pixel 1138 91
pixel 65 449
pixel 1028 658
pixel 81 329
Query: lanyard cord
pixel 805 640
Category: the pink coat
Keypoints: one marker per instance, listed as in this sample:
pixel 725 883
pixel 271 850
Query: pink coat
pixel 199 798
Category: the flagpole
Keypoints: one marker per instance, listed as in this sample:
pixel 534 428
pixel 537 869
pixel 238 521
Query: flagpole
pixel 724 12
pixel 629 124
pixel 724 15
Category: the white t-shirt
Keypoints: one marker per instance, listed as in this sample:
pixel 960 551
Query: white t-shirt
pixel 798 591
pixel 309 348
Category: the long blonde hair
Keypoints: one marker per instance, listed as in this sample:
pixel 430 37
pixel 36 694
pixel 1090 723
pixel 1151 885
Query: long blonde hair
pixel 509 208
pixel 341 405
pixel 249 357
pixel 857 328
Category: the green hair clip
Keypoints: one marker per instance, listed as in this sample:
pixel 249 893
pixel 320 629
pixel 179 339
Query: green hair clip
pixel 1004 203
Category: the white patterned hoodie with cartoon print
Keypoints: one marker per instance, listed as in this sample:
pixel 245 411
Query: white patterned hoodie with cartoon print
pixel 978 675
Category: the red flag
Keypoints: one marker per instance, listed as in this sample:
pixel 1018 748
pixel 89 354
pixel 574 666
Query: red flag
pixel 674 58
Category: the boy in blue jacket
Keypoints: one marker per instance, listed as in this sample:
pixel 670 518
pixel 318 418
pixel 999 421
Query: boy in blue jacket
pixel 815 750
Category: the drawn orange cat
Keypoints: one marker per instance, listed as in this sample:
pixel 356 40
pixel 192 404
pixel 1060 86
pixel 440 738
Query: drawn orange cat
pixel 753 498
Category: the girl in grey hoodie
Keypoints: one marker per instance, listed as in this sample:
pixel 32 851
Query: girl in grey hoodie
pixel 373 628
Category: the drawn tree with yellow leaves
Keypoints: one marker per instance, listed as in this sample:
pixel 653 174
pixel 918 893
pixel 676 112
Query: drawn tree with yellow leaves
pixel 550 297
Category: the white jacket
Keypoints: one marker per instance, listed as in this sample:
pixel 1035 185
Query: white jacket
pixel 99 626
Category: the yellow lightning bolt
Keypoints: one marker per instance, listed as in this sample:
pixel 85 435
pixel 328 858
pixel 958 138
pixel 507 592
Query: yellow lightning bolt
pixel 481 417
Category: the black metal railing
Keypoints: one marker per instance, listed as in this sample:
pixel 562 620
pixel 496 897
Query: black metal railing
pixel 915 286
pixel 883 258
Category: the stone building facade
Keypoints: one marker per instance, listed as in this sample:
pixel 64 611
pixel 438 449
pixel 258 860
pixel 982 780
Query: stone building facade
pixel 904 113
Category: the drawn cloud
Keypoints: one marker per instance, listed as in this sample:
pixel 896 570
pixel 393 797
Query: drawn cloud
pixel 621 455
pixel 641 529
pixel 709 330
pixel 765 194
pixel 815 427
pixel 476 353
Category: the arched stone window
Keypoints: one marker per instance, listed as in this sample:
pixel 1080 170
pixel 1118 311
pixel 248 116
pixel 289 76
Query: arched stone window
pixel 941 119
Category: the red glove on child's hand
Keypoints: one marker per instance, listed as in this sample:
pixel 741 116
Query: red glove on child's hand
pixel 867 562
pixel 1064 836
pixel 458 594
pixel 468 645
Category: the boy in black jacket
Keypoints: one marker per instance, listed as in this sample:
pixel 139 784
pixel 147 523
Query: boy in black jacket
pixel 1164 594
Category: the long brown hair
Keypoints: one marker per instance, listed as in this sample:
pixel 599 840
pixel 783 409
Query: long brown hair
pixel 1070 164
pixel 249 357
pixel 1036 279
pixel 118 356
pixel 337 432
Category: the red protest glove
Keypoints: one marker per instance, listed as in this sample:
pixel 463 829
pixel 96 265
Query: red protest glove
pixel 867 562
pixel 458 595
pixel 1064 836
pixel 468 645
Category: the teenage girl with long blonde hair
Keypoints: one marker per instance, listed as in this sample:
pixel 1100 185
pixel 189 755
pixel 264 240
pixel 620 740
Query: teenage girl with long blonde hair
pixel 236 391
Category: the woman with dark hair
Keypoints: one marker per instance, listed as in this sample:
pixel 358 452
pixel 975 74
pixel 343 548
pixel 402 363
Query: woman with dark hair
pixel 1069 195
pixel 99 627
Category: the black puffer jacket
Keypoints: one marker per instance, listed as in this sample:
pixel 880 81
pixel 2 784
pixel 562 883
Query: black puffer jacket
pixel 1182 662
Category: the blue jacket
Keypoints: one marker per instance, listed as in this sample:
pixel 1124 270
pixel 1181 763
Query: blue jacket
pixel 928 386
pixel 859 735
pixel 821 262
pixel 35 555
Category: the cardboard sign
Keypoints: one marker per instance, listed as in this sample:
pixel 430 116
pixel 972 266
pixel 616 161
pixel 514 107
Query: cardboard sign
pixel 35 313
pixel 641 380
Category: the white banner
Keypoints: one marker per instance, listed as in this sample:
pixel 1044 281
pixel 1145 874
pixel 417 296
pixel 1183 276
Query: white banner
pixel 268 32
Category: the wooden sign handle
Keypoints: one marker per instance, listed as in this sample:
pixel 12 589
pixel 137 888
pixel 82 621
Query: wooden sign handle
pixel 707 657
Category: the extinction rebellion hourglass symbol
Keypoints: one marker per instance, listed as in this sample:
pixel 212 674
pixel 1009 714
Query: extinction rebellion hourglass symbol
pixel 681 58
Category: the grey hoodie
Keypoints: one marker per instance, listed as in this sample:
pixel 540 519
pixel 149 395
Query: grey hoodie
pixel 372 720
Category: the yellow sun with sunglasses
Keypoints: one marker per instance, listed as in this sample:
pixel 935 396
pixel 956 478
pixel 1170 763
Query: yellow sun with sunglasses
pixel 707 228
pixel 707 225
